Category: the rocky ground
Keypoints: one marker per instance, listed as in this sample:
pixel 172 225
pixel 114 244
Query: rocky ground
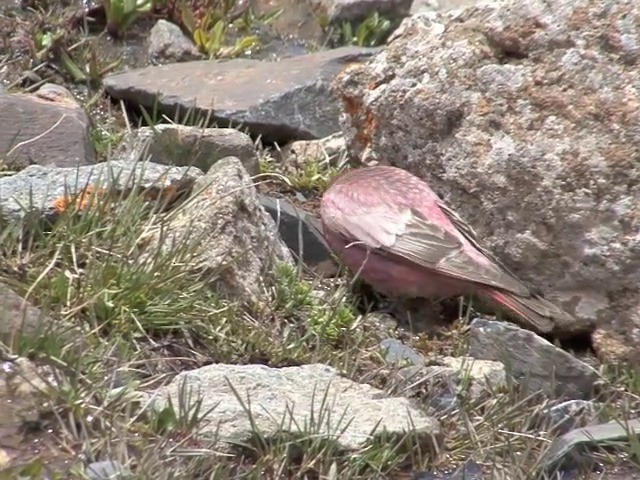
pixel 168 308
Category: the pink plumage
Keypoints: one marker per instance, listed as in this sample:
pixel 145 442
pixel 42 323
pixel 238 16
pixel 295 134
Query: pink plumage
pixel 391 229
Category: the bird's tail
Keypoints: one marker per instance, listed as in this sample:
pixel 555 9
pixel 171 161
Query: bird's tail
pixel 542 315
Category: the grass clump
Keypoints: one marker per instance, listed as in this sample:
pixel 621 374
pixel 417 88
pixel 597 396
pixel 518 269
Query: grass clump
pixel 296 297
pixel 141 314
pixel 211 37
pixel 147 313
pixel 311 176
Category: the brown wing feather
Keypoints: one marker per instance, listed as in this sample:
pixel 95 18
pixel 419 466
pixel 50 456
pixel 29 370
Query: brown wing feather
pixel 471 236
pixel 450 256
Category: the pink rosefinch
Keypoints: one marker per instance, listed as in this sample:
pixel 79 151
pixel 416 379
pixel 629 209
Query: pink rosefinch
pixel 392 230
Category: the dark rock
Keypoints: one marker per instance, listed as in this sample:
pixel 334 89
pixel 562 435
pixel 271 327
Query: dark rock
pixel 531 360
pixel 571 450
pixel 282 101
pixel 299 230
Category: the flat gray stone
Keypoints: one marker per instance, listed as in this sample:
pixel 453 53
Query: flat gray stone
pixel 286 100
pixel 397 352
pixel 531 360
pixel 571 448
pixel 185 146
pixel 45 128
pixel 289 396
pixel 46 192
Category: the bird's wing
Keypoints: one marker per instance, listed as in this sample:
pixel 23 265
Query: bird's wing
pixel 465 229
pixel 411 235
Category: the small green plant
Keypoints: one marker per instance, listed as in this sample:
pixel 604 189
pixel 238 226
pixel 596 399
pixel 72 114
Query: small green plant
pixel 314 176
pixel 122 13
pixel 88 67
pixel 211 36
pixel 370 33
pixel 294 296
pixel 42 43
pixel 249 18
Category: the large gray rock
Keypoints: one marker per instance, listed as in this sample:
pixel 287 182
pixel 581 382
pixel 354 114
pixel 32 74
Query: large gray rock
pixel 240 245
pixel 428 6
pixel 45 128
pixel 523 116
pixel 46 192
pixel 284 400
pixel 181 145
pixel 532 361
pixel 282 101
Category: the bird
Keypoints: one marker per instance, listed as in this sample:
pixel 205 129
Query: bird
pixel 394 232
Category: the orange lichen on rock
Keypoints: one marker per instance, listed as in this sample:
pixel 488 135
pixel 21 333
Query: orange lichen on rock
pixel 165 195
pixel 85 198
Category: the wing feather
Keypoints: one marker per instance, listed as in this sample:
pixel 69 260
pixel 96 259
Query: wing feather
pixel 410 235
pixel 453 260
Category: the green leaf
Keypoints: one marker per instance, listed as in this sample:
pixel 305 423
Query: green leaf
pixel 165 420
pixel 217 34
pixel 272 16
pixel 200 38
pixel 72 69
pixel 129 6
pixel 245 43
